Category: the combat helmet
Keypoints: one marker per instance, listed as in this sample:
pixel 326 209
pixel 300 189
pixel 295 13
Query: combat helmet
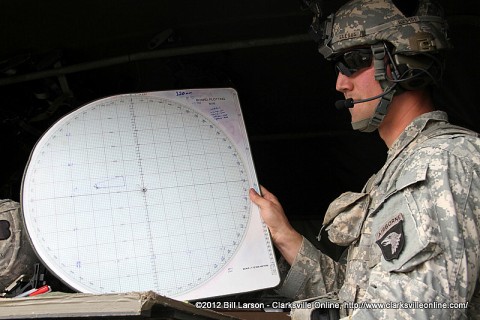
pixel 17 256
pixel 366 22
pixel 412 35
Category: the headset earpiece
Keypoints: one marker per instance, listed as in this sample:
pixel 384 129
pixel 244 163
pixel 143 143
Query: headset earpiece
pixel 416 72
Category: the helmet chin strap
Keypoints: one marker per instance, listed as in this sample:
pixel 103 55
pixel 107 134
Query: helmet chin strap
pixel 371 124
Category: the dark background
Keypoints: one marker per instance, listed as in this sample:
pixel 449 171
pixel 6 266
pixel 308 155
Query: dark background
pixel 58 55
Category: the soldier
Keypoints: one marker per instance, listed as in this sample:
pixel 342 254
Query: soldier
pixel 17 258
pixel 413 232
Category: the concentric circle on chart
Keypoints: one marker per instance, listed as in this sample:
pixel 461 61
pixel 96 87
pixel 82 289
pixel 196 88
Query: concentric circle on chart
pixel 134 193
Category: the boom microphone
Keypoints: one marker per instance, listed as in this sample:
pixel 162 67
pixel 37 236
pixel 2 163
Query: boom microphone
pixel 344 104
pixel 349 103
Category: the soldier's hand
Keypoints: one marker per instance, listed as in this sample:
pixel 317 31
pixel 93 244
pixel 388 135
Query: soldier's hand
pixel 284 236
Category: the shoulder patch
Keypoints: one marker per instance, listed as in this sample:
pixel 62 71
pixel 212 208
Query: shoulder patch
pixel 390 238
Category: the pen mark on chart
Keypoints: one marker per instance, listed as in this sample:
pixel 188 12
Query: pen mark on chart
pixel 113 182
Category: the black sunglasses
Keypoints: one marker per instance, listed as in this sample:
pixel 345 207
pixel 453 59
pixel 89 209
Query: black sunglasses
pixel 350 62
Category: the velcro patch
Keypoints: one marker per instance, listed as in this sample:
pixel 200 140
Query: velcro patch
pixel 4 230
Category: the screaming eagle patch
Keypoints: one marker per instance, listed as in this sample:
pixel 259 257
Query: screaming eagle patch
pixel 390 238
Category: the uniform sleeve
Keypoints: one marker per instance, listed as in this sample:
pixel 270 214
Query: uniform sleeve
pixel 311 274
pixel 436 271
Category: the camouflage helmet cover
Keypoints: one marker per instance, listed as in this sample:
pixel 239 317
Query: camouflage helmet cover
pixel 17 256
pixel 366 22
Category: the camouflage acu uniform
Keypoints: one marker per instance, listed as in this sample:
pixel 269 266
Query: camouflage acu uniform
pixel 413 233
pixel 16 253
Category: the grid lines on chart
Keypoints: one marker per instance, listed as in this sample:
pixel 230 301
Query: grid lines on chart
pixel 166 195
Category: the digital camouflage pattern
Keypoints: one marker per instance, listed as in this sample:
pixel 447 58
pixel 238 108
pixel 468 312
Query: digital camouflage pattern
pixel 348 211
pixel 16 254
pixel 366 22
pixel 432 178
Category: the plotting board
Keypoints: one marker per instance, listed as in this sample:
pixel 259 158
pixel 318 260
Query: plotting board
pixel 149 191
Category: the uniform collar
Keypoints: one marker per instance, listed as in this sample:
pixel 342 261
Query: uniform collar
pixel 407 137
pixel 412 131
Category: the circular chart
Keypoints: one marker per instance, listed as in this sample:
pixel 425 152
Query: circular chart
pixel 133 193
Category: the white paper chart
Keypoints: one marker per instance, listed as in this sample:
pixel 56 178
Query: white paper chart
pixel 149 191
